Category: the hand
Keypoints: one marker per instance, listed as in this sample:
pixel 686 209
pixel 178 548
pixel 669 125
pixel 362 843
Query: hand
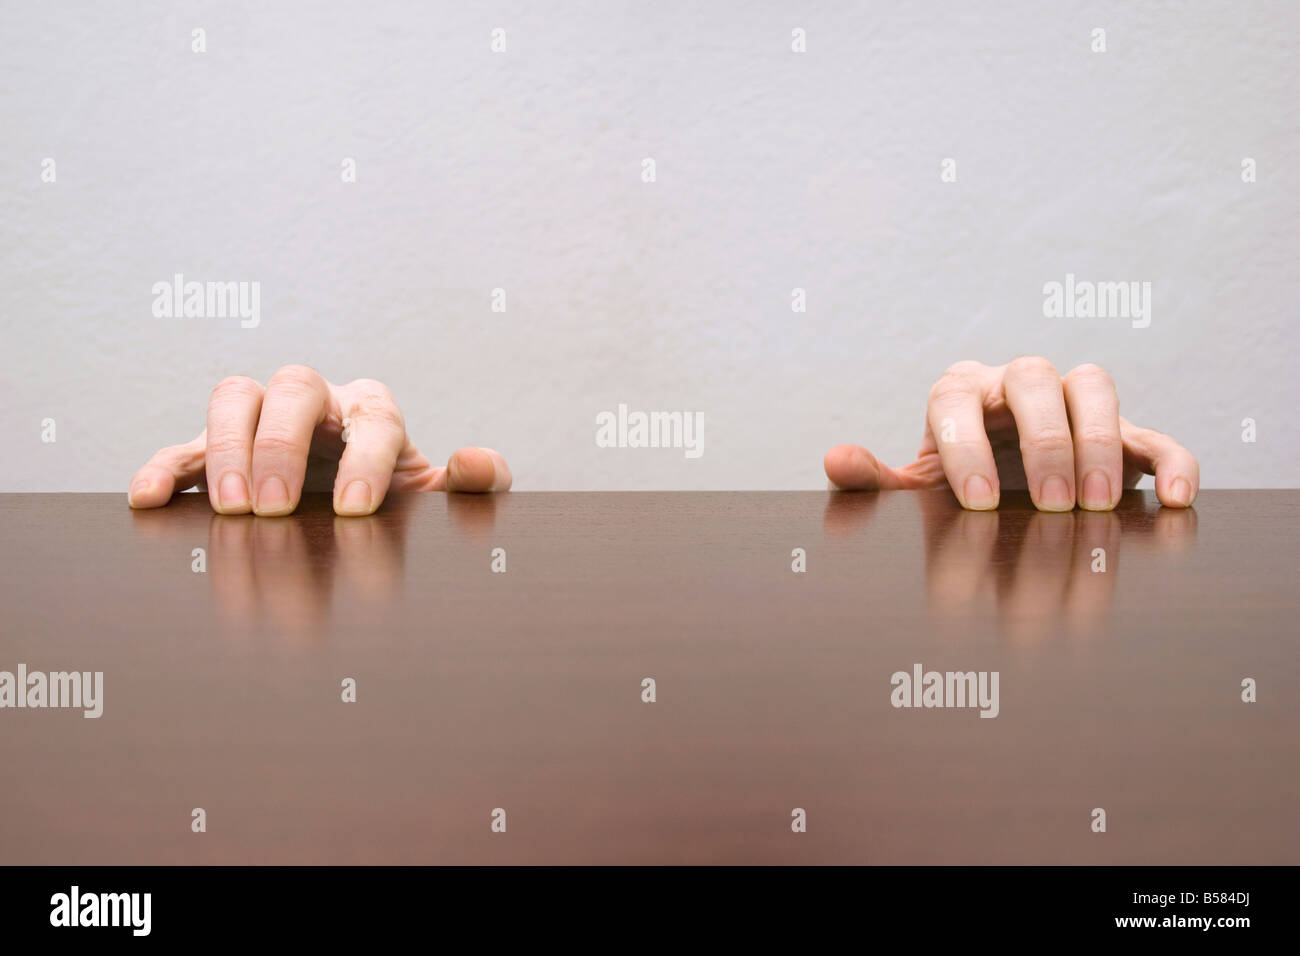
pixel 1021 425
pixel 263 447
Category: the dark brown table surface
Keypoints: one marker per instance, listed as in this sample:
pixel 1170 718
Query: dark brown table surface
pixel 478 690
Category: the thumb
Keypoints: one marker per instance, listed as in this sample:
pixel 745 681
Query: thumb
pixel 853 468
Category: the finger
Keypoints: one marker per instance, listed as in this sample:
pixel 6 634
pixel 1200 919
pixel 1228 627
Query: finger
pixel 955 415
pixel 375 435
pixel 1093 407
pixel 170 470
pixel 294 404
pixel 232 422
pixel 475 470
pixel 1036 399
pixel 1178 477
pixel 853 468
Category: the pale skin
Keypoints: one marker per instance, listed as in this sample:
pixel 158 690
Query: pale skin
pixel 1018 425
pixel 1024 425
pixel 264 445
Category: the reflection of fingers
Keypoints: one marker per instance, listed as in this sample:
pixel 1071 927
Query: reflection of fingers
pixel 376 436
pixel 230 549
pixel 853 468
pixel 1093 574
pixel 475 514
pixel 264 569
pixel 294 404
pixel 955 414
pixel 170 470
pixel 958 558
pixel 1178 477
pixel 233 409
pixel 475 470
pixel 292 574
pixel 1036 586
pixel 1175 529
pixel 1035 397
pixel 845 513
pixel 1094 425
pixel 370 556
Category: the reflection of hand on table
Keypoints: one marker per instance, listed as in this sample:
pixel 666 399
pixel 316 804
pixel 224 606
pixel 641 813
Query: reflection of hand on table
pixel 1038 568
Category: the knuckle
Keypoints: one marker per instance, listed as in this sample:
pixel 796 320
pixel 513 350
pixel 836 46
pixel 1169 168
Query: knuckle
pixel 379 413
pixel 1141 439
pixel 226 445
pixel 298 377
pixel 1032 367
pixel 275 444
pixel 1046 441
pixel 175 456
pixel 1090 374
pixel 1099 437
pixel 372 401
pixel 951 388
pixel 235 386
pixel 369 388
pixel 965 367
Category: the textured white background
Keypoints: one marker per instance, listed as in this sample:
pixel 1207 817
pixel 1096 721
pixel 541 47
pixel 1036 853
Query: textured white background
pixel 522 170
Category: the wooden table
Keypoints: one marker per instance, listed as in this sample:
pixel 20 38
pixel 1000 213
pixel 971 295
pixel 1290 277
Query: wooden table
pixel 476 690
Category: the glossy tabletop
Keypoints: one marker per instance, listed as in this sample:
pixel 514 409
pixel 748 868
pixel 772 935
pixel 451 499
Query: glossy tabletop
pixel 1121 642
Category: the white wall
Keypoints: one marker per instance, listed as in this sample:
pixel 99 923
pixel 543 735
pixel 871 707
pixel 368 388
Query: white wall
pixel 522 170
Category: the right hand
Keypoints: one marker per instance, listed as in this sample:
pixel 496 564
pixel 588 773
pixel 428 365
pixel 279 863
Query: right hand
pixel 263 447
pixel 1023 425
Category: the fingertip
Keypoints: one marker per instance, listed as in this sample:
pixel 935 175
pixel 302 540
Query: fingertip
pixel 229 495
pixel 1097 491
pixel 274 499
pixel 138 493
pixel 852 468
pixel 1179 492
pixel 148 490
pixel 503 478
pixel 1055 495
pixel 471 469
pixel 355 499
pixel 979 494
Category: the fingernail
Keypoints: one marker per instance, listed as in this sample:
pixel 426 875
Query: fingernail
pixel 1180 492
pixel 138 489
pixel 272 496
pixel 233 492
pixel 978 493
pixel 355 499
pixel 1096 491
pixel 1054 495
